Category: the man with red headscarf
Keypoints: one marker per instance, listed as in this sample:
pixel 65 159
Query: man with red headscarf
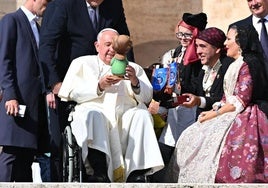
pixel 188 65
pixel 191 154
pixel 210 49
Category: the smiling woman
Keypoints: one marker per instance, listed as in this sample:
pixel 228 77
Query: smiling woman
pixel 232 47
pixel 245 149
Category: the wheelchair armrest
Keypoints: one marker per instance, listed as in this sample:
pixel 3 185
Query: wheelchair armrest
pixel 70 107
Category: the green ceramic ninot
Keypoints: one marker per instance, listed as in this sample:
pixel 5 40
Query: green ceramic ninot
pixel 119 66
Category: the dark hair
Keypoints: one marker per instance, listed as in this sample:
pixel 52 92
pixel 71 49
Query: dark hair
pixel 197 20
pixel 252 53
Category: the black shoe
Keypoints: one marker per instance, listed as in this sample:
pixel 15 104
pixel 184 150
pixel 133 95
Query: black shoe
pixel 97 160
pixel 99 179
pixel 137 176
pixel 136 179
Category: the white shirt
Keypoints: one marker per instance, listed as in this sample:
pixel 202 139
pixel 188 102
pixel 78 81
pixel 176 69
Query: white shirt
pixel 258 25
pixel 32 19
pixel 208 81
pixel 89 7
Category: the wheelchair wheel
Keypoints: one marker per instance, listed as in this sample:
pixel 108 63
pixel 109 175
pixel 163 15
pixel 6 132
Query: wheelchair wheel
pixel 72 159
pixel 68 154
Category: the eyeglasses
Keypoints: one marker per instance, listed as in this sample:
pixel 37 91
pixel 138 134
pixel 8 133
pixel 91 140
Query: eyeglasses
pixel 185 35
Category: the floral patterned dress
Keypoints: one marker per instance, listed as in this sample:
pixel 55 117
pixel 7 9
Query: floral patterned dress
pixel 244 158
pixel 198 151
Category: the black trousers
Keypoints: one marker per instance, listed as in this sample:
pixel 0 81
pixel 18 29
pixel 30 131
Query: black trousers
pixel 15 164
pixel 58 119
pixel 167 152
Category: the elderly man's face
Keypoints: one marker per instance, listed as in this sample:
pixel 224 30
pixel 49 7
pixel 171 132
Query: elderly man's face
pixel 258 8
pixel 104 46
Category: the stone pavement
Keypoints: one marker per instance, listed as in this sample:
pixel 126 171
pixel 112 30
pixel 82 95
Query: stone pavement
pixel 127 185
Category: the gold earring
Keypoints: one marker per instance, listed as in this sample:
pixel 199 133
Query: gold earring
pixel 239 51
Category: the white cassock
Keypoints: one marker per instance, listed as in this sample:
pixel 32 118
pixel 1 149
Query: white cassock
pixel 115 122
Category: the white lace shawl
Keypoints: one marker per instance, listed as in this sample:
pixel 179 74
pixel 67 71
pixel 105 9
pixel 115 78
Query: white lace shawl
pixel 230 80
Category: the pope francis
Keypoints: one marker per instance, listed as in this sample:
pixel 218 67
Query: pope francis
pixel 111 118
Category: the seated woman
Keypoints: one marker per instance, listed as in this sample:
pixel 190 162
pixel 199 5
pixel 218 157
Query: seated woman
pixel 229 143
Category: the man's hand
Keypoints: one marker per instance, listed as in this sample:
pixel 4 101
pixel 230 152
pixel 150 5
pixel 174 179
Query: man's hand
pixel 12 107
pixel 51 102
pixel 56 88
pixel 131 75
pixel 153 107
pixel 107 81
pixel 194 100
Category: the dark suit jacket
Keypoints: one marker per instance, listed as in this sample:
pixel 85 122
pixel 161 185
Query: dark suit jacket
pixel 188 74
pixel 216 91
pixel 69 23
pixel 20 78
pixel 246 21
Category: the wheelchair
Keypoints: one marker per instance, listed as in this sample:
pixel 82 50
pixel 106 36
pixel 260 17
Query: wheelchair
pixel 71 158
pixel 72 163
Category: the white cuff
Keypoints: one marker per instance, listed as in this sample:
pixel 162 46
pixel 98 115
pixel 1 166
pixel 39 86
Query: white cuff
pixel 202 102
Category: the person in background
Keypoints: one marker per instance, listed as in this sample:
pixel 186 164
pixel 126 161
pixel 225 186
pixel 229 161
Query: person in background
pixel 228 144
pixel 111 121
pixel 72 19
pixel 188 68
pixel 210 49
pixel 21 80
pixel 50 163
pixel 259 19
pixel 69 30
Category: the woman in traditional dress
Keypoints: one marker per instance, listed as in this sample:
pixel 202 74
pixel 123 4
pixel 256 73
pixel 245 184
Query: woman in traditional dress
pixel 230 142
pixel 244 157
